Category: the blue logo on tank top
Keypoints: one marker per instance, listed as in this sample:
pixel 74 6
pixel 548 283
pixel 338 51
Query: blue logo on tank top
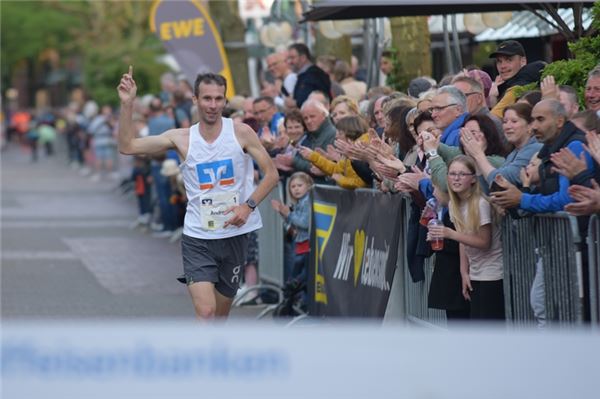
pixel 212 173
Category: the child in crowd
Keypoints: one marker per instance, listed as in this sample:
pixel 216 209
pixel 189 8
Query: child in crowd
pixel 479 237
pixel 297 218
pixel 445 290
pixel 349 129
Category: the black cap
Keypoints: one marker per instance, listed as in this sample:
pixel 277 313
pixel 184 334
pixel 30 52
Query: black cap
pixel 509 47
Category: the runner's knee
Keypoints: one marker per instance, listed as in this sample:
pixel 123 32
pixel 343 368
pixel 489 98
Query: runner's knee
pixel 204 312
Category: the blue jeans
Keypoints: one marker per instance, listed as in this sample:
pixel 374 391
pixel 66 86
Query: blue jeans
pixel 537 296
pixel 162 187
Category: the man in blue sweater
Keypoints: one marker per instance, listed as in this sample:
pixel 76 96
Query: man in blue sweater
pixel 551 127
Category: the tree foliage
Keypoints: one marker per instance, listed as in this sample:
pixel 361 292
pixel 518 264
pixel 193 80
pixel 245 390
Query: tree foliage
pixel 108 35
pixel 586 53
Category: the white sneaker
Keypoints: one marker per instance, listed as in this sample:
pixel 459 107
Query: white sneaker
pixel 85 171
pixel 156 227
pixel 176 236
pixel 163 234
pixel 139 222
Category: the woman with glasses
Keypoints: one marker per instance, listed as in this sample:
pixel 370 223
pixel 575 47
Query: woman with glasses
pixel 478 235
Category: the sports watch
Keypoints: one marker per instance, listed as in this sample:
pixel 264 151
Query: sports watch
pixel 431 154
pixel 251 204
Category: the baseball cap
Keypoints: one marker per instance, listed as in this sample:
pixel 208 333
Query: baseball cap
pixel 509 47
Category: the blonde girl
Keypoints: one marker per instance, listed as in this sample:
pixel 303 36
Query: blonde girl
pixel 297 218
pixel 479 237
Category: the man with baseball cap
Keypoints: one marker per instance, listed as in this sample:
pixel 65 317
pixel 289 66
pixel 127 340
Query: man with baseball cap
pixel 513 70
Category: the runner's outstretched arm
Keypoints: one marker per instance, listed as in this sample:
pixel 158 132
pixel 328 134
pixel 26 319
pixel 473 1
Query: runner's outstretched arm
pixel 128 143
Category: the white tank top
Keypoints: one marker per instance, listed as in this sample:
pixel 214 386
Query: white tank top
pixel 217 176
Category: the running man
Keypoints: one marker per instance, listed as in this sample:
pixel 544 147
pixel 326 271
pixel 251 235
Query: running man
pixel 218 174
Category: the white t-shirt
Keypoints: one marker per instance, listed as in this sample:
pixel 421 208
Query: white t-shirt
pixel 485 265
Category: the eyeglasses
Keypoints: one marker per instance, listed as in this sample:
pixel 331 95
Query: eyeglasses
pixel 438 109
pixel 460 175
pixel 471 93
pixel 261 111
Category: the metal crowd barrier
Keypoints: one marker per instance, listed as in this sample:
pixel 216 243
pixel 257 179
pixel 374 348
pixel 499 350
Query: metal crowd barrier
pixel 554 238
pixel 270 251
pixel 415 294
pixel 593 240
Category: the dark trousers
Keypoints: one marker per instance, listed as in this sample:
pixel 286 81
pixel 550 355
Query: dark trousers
pixel 487 300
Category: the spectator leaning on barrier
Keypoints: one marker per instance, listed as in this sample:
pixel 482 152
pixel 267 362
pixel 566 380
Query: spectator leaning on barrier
pixel 479 237
pixel 551 127
pixel 445 289
pixel 560 137
pixel 349 129
pixel 310 76
pixel 297 218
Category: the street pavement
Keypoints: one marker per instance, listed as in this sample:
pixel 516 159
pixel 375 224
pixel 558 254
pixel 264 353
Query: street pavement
pixel 68 251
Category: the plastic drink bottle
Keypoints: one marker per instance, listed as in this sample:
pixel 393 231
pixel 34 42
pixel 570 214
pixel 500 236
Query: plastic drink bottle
pixel 437 244
pixel 429 212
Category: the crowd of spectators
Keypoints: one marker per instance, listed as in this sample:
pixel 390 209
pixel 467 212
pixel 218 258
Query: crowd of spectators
pixel 470 141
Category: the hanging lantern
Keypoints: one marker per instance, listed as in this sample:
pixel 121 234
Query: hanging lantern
pixel 264 37
pixel 328 30
pixel 473 23
pixel 349 26
pixel 496 20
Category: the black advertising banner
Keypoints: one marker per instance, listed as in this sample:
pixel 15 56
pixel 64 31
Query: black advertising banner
pixel 190 36
pixel 355 245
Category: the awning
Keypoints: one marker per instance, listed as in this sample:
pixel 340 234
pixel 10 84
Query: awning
pixel 359 9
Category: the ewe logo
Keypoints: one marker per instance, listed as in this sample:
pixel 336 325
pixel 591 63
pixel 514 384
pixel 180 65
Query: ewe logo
pixel 212 173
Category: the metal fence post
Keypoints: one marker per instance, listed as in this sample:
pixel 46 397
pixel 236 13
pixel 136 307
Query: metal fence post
pixel 593 240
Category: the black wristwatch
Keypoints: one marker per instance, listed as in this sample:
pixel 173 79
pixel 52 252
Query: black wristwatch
pixel 251 204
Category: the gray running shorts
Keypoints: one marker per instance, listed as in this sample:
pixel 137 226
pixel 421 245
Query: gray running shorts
pixel 218 261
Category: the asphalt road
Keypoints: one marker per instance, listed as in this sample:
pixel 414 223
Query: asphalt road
pixel 68 252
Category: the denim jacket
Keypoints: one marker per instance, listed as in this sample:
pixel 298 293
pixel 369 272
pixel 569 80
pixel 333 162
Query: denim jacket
pixel 300 218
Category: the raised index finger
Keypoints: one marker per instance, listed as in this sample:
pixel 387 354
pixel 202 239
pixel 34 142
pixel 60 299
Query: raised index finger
pixel 130 73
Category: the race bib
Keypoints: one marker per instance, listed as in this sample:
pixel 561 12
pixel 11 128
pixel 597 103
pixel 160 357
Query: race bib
pixel 213 208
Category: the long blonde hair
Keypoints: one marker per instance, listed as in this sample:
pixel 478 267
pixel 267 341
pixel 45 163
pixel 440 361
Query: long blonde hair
pixel 470 223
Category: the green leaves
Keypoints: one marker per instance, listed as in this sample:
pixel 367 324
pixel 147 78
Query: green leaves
pixel 106 35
